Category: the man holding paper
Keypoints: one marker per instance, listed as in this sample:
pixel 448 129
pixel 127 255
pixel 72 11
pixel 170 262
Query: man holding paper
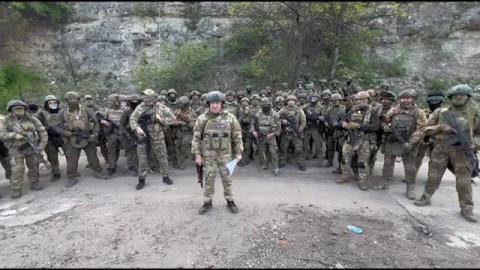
pixel 214 134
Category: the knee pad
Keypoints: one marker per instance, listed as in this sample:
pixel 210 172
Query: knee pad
pixel 361 165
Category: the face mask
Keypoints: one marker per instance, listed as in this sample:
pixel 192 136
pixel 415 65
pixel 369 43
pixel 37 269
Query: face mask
pixel 52 105
pixel 349 82
pixel 134 105
pixel 73 104
pixel 300 86
pixel 266 109
pixel 249 91
pixel 172 98
pixel 33 107
pixel 433 105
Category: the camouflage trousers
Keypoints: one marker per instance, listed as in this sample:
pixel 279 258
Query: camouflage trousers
pixel 18 162
pixel 271 145
pixel 52 155
pixel 73 155
pixel 158 148
pixel 248 147
pixel 115 140
pixel 183 147
pixel 408 164
pixel 317 142
pixel 131 153
pixel 373 158
pixel 363 152
pixel 330 141
pixel 440 157
pixel 423 150
pixel 102 142
pixel 297 144
pixel 211 163
pixel 170 143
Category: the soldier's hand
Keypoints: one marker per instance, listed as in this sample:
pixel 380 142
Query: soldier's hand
pixel 284 122
pixel 140 132
pixel 157 116
pixel 407 147
pixel 18 137
pixel 255 134
pixel 270 135
pixel 446 128
pixel 105 123
pixel 199 160
pixel 386 129
pixel 92 138
pixel 238 158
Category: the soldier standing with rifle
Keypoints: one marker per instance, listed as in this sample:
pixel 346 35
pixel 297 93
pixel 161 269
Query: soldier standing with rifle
pixel 314 127
pixel 214 134
pixel 455 133
pixel 338 132
pixel 148 120
pixel 405 131
pixel 102 138
pixel 131 139
pixel 246 122
pixel 185 121
pixel 49 118
pixel 25 138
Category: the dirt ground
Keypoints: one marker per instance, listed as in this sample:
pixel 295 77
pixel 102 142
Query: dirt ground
pixel 298 219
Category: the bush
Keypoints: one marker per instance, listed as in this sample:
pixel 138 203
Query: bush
pixel 57 12
pixel 396 68
pixel 436 84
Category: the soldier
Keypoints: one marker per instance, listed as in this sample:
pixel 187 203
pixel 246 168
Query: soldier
pixel 265 128
pixel 269 92
pixel 453 155
pixel 185 122
pixel 308 80
pixel 162 99
pixel 334 87
pixel 387 99
pixel 349 103
pixel 294 121
pixel 300 88
pixel 313 113
pixel 230 105
pixel 405 129
pixel 130 137
pixel 302 98
pixel 248 88
pixel 110 125
pixel 214 134
pixel 350 88
pixel 164 93
pixel 336 124
pixel 323 85
pixel 376 106
pixel 325 98
pixel 361 123
pixel 278 104
pixel 330 116
pixel 203 108
pixel 309 89
pixel 79 129
pixel 284 87
pixel 147 121
pixel 195 101
pixel 385 86
pixel 240 96
pixel 246 121
pixel 49 118
pixel 102 138
pixel 170 131
pixel 32 107
pixel 20 151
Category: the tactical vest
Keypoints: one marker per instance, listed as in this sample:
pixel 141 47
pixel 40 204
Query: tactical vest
pixel 27 126
pixel 265 123
pixel 216 133
pixel 51 119
pixel 312 111
pixel 404 123
pixel 173 105
pixel 78 118
pixel 292 115
pixel 231 108
pixel 360 117
pixel 114 115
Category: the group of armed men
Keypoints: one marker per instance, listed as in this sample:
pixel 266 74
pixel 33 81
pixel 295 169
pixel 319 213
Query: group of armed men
pixel 277 125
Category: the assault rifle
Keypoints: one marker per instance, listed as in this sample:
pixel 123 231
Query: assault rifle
pixel 77 132
pixel 461 137
pixel 55 138
pixel 143 121
pixel 114 127
pixel 31 142
pixel 292 124
pixel 200 174
pixel 260 141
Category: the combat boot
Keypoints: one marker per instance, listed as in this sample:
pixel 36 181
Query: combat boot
pixel 468 215
pixel 167 180
pixel 100 175
pixel 232 207
pixel 243 162
pixel 380 186
pixel 337 171
pixel 16 193
pixel 175 164
pixel 302 167
pixel 275 171
pixel 363 185
pixel 141 183
pixel 110 171
pixel 329 164
pixel 55 177
pixel 205 207
pixel 35 186
pixel 410 192
pixel 424 200
pixel 342 180
pixel 71 182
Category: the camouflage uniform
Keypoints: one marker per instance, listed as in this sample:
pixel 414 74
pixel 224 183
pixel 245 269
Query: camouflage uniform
pixel 313 113
pixel 185 120
pixel 378 107
pixel 246 121
pixel 300 88
pixel 336 124
pixel 452 156
pixel 362 122
pixel 102 138
pixel 231 106
pixel 266 126
pixel 72 117
pixel 156 138
pixel 20 152
pixel 331 116
pixel 129 134
pixel 195 102
pixel 409 122
pixel 294 121
pixel 170 131
pixel 213 136
pixel 49 119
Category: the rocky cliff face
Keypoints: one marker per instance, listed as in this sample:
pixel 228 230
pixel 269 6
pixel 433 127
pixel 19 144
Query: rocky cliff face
pixel 440 40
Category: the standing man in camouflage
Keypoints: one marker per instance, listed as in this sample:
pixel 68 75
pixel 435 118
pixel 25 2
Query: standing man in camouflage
pixel 323 85
pixel 293 120
pixel 152 116
pixel 330 117
pixel 185 120
pixel 32 107
pixel 49 118
pixel 195 101
pixel 170 131
pixel 214 134
pixel 246 122
pixel 231 105
pixel 448 152
pixel 350 88
pixel 240 95
pixel 361 124
pixel 79 129
pixel 404 132
pixel 102 138
pixel 375 106
pixel 20 151
pixel 265 128
pixel 387 99
pixel 129 135
pixel 336 107
pixel 313 128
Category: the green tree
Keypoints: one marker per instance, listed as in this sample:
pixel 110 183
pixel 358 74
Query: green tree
pixel 57 12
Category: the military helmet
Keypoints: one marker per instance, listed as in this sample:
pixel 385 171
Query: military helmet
pixel 264 92
pixel 255 96
pixel 371 92
pixel 336 96
pixel 385 85
pixel 71 94
pixel 284 84
pixel 134 97
pixel 334 81
pixel 183 100
pixel 15 103
pixel 164 92
pixel 387 95
pixel 245 99
pixel 149 92
pixel 279 100
pixel 195 93
pixel 113 97
pixel 362 95
pixel 50 97
pixel 215 96
pixel 161 97
pixel 300 82
pixel 248 87
pixel 309 86
pixel 460 89
pixel 435 95
pixel 291 97
pixel 323 81
pixel 265 102
pixel 171 90
pixel 203 96
pixel 349 78
pixel 408 93
pixel 326 92
pixel 268 88
pixel 241 93
pixel 230 93
pixel 87 97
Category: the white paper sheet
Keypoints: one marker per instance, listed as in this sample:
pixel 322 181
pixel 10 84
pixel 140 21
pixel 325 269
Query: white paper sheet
pixel 231 166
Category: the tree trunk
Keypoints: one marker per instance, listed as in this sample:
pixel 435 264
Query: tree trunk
pixel 333 69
